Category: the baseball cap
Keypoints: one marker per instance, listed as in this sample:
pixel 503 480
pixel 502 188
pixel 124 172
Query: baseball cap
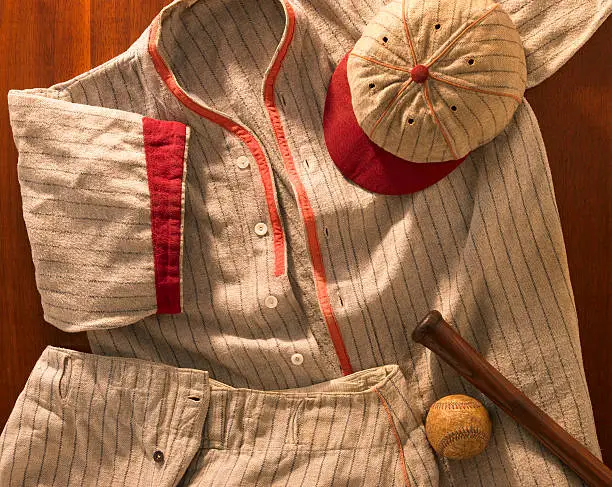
pixel 427 83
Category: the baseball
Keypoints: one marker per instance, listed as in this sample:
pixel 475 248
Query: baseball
pixel 458 427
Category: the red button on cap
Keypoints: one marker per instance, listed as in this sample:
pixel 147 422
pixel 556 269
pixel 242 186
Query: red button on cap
pixel 419 73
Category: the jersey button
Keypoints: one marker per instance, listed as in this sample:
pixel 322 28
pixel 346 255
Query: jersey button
pixel 243 162
pixel 158 456
pixel 261 229
pixel 297 359
pixel 271 301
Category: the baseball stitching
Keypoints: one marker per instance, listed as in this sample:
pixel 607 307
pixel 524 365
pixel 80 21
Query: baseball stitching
pixel 463 433
pixel 456 405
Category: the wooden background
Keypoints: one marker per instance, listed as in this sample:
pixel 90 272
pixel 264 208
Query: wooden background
pixel 43 42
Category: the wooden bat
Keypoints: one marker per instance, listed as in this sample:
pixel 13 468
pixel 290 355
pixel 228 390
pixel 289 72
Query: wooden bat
pixel 437 335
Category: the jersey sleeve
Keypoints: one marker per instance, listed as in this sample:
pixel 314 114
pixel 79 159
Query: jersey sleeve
pixel 553 30
pixel 103 201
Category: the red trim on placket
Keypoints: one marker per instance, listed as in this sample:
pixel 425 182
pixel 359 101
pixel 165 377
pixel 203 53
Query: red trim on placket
pixel 249 139
pixel 164 145
pixel 307 212
pixel 259 155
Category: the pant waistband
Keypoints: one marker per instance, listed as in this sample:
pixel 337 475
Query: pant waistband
pixel 366 409
pixel 136 375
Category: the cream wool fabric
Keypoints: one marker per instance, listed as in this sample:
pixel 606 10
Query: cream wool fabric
pixel 83 178
pixel 89 420
pixel 477 77
pixel 484 245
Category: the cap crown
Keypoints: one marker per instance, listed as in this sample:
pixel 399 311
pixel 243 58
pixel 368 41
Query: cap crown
pixel 475 77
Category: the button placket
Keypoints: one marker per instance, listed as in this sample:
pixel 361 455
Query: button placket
pixel 311 174
pixel 308 159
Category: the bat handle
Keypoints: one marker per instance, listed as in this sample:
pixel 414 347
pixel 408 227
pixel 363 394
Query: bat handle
pixel 437 335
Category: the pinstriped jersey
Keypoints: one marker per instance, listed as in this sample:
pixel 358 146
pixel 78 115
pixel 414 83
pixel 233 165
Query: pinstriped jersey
pixel 182 208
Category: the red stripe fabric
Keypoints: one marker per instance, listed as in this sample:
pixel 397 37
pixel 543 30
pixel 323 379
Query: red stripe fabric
pixel 303 201
pixel 164 144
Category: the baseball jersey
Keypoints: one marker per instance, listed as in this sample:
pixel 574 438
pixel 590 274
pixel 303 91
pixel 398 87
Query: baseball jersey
pixel 182 208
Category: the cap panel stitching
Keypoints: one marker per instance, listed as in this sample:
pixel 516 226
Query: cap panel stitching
pixel 408 38
pixel 470 88
pixel 476 118
pixel 437 120
pixel 461 143
pixel 385 47
pixel 480 71
pixel 462 33
pixel 390 105
pixel 381 63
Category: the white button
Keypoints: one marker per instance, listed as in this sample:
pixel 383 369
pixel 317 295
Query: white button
pixel 271 301
pixel 261 229
pixel 297 359
pixel 243 162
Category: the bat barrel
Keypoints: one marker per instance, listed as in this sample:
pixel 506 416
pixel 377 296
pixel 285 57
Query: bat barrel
pixel 437 335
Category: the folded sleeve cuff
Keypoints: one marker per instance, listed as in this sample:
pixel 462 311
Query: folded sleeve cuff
pixel 103 195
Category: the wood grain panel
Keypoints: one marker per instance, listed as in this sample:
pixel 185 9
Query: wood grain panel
pixel 44 42
pixel 41 43
pixel 574 108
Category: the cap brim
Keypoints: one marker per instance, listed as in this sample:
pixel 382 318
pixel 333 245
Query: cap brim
pixel 362 161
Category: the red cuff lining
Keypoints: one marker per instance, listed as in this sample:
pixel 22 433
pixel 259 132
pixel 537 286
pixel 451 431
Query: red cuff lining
pixel 164 143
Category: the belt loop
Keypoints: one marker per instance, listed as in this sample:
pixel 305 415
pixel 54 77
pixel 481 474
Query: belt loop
pixel 295 421
pixel 194 386
pixel 202 391
pixel 71 375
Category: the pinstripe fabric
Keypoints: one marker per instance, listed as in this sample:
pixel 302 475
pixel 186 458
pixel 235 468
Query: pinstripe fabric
pixel 334 433
pixel 89 420
pixel 484 245
pixel 83 176
pixel 553 30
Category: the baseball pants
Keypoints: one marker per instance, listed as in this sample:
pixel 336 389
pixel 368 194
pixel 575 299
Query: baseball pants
pixel 88 420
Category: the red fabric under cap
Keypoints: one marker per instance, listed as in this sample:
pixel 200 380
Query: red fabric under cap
pixel 362 161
